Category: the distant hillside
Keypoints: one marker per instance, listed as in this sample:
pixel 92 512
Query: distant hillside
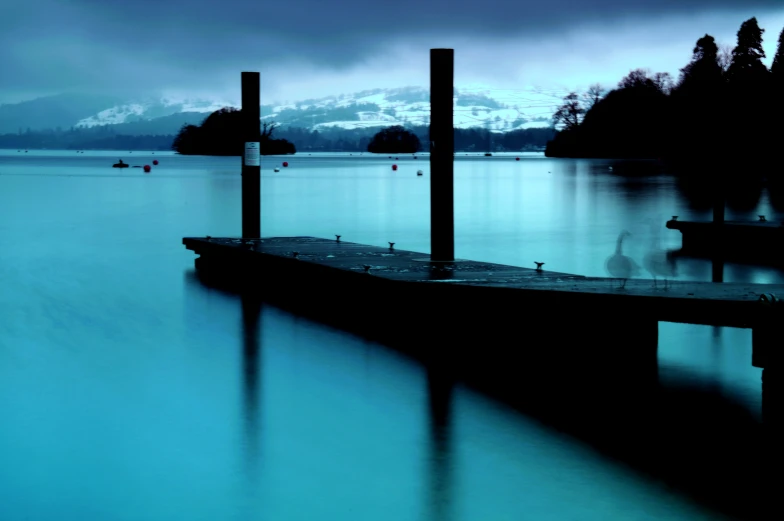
pixel 496 110
pixel 475 106
pixel 62 110
pixel 164 125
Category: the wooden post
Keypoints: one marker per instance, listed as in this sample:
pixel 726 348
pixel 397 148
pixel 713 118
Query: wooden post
pixel 442 155
pixel 716 244
pixel 251 163
pixel 717 267
pixel 718 205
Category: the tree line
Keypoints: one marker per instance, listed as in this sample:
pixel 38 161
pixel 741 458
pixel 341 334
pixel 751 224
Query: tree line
pixel 724 113
pixel 303 139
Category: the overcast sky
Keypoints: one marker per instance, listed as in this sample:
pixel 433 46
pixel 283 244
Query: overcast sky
pixel 315 48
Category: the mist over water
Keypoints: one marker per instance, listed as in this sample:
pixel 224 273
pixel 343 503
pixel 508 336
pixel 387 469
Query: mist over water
pixel 129 391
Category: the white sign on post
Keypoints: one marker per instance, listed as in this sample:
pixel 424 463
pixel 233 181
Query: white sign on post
pixel 252 154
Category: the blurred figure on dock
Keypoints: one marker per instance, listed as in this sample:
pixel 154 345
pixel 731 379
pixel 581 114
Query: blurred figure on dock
pixel 620 266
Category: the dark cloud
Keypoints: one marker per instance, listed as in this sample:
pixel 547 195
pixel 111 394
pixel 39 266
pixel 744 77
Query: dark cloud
pixel 138 44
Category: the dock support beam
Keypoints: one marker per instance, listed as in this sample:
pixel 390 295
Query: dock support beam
pixel 251 163
pixel 767 353
pixel 442 155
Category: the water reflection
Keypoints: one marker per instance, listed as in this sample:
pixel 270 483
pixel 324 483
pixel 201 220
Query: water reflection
pixel 440 383
pixel 251 333
pixel 702 195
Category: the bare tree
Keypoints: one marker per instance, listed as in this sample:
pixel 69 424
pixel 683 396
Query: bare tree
pixel 636 78
pixel 569 115
pixel 267 128
pixel 593 95
pixel 663 82
pixel 724 56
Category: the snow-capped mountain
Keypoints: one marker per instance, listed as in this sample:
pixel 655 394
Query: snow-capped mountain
pixel 475 106
pixel 151 109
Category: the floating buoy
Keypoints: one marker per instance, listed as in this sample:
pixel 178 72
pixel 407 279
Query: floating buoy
pixel 147 169
pixel 397 158
pixel 394 167
pixel 517 159
pixel 419 172
pixel 277 169
pixel 155 162
pixel 285 163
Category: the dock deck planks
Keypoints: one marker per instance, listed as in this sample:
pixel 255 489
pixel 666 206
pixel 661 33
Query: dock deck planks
pixel 719 304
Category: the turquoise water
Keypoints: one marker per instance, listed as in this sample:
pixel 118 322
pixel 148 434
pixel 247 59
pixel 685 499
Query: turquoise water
pixel 126 393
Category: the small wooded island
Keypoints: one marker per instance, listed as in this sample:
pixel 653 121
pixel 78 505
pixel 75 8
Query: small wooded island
pixel 394 140
pixel 220 134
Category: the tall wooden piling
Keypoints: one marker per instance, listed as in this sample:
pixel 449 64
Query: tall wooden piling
pixel 251 162
pixel 442 152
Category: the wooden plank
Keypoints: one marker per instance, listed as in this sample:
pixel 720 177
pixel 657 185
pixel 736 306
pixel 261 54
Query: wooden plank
pixel 751 225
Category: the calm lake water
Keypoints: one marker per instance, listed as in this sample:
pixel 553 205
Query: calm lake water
pixel 123 389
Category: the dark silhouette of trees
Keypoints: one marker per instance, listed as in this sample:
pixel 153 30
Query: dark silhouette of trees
pixel 569 115
pixel 394 140
pixel 749 96
pixel 696 103
pixel 628 122
pixel 746 65
pixel 777 68
pixel 593 95
pixel 721 120
pixel 113 137
pixel 220 134
pixel 703 72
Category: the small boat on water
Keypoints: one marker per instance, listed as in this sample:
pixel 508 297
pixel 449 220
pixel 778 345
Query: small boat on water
pixel 120 165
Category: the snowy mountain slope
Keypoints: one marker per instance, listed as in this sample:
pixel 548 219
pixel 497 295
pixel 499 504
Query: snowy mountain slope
pixel 499 110
pixel 151 109
pixel 475 106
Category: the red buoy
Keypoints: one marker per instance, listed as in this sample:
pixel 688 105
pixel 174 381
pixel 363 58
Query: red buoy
pixel 285 163
pixel 155 162
pixel 394 167
pixel 147 169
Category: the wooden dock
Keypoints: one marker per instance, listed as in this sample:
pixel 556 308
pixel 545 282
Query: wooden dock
pixel 733 305
pixel 742 241
pixel 391 287
pixel 476 317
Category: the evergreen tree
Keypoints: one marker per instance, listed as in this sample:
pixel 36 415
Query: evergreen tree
pixel 777 69
pixel 748 104
pixel 747 55
pixel 703 72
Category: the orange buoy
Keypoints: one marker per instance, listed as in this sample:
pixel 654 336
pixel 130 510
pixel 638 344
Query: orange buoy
pixel 285 163
pixel 147 169
pixel 394 167
pixel 155 162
